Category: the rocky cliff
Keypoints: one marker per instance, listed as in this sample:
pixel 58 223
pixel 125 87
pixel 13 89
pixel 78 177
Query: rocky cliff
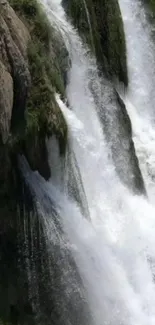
pixel 32 68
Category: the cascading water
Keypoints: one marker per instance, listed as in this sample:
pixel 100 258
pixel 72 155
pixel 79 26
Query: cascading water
pixel 113 249
pixel 140 100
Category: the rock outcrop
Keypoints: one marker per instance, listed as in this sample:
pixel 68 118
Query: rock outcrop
pixel 32 69
pixel 100 25
pixel 14 76
pixel 6 101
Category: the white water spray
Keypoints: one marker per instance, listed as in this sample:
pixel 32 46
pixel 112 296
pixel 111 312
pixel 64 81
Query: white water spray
pixel 114 251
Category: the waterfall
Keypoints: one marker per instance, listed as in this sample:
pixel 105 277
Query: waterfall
pixel 140 100
pixel 106 262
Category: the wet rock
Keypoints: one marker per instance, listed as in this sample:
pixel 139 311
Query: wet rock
pixel 100 25
pixel 6 101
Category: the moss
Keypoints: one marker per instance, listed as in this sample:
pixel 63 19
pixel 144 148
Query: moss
pixel 43 112
pixel 48 64
pixel 24 7
pixel 100 24
pixel 43 50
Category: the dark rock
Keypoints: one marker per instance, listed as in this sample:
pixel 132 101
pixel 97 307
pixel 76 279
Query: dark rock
pixel 100 25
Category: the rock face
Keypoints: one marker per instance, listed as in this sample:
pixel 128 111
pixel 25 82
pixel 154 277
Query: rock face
pixel 6 101
pixel 119 134
pixel 14 77
pixel 14 84
pixel 100 24
pixel 31 70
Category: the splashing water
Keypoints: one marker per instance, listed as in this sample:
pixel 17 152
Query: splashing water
pixel 114 249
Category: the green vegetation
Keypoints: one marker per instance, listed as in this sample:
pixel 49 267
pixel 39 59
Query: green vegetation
pixel 48 63
pixel 103 30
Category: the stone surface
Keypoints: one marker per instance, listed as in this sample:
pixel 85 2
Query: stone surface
pixel 14 76
pixel 6 101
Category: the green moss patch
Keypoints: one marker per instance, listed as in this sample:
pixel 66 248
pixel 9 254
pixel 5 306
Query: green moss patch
pixel 48 64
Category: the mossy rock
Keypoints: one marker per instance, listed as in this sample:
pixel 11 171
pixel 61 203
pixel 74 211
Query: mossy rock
pixel 100 24
pixel 47 60
pixel 48 64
